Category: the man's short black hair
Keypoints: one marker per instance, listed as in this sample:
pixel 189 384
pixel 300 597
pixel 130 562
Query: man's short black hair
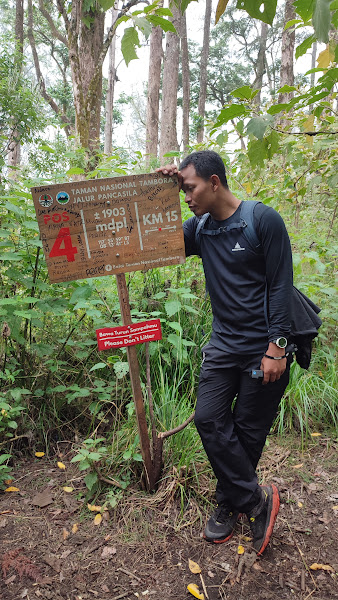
pixel 206 163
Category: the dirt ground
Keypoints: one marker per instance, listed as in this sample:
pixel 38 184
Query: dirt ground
pixel 142 548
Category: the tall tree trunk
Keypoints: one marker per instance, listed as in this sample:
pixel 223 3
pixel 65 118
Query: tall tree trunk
pixel 203 71
pixel 288 46
pixel 168 140
pixel 85 43
pixel 108 128
pixel 153 97
pixel 14 153
pixel 260 64
pixel 185 82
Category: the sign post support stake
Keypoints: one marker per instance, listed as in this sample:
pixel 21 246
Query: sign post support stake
pixel 136 383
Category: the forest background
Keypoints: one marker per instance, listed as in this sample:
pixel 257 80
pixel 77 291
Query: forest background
pixel 236 93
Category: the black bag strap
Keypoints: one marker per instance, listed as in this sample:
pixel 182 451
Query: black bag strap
pixel 246 222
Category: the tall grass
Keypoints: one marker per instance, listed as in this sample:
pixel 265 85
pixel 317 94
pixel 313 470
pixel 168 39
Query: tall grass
pixel 310 403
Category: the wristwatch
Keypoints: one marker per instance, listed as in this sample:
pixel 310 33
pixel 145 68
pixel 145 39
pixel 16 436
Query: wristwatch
pixel 281 342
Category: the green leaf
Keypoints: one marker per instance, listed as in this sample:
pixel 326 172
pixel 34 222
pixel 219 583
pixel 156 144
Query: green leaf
pixel 264 10
pixel 257 153
pixel 81 293
pixel 163 23
pixel 121 369
pixel 176 326
pixel 304 46
pixel 277 108
pixel 291 23
pixel 106 4
pixel 47 148
pixel 175 340
pixel 287 88
pixel 304 8
pixel 128 44
pixel 10 256
pixel 143 24
pixel 172 307
pixel 90 480
pixel 257 126
pixel 100 365
pixel 272 143
pixel 232 111
pixel 75 171
pixel 321 20
pixel 243 93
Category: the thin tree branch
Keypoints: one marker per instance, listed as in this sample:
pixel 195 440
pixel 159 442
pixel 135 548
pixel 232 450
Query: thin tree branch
pixel 310 133
pixel 41 81
pixel 164 434
pixel 56 33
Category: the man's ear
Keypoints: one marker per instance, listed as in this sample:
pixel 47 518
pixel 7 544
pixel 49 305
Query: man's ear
pixel 215 182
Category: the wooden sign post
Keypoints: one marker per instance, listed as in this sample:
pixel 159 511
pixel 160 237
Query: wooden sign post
pixel 100 227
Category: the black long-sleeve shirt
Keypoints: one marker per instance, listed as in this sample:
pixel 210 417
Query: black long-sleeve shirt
pixel 245 316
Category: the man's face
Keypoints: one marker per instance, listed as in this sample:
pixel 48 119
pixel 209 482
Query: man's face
pixel 199 194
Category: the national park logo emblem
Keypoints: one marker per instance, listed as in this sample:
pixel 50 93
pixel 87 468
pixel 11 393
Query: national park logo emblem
pixel 62 198
pixel 46 200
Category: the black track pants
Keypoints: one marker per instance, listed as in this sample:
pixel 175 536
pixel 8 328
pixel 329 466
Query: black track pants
pixel 234 434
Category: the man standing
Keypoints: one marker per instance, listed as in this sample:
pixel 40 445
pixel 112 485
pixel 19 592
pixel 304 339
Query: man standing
pixel 249 293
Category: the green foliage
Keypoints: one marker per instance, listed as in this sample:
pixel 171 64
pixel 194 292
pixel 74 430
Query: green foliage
pixel 20 111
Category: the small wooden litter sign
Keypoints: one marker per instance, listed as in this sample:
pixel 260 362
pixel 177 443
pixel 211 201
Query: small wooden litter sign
pixel 100 227
pixel 129 335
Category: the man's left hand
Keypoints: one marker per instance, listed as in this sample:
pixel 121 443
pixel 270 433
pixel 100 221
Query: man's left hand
pixel 273 369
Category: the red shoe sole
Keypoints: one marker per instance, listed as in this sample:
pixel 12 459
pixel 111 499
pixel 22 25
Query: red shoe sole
pixel 273 516
pixel 219 541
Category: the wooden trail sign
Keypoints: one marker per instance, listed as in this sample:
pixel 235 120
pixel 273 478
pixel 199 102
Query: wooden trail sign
pixel 100 227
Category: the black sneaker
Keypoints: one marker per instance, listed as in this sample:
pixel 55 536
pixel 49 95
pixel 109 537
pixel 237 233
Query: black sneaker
pixel 262 518
pixel 221 524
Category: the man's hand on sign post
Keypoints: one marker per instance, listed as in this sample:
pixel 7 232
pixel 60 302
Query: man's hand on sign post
pixel 171 170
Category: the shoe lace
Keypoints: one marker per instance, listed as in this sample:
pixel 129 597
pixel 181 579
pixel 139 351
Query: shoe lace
pixel 222 513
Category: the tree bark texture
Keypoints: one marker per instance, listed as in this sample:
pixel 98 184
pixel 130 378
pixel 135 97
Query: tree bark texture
pixel 288 46
pixel 85 47
pixel 168 140
pixel 203 71
pixel 185 83
pixel 108 128
pixel 14 148
pixel 153 97
pixel 260 64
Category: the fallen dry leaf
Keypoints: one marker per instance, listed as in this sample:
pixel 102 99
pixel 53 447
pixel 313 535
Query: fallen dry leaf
pixel 300 504
pixel 297 466
pixel 194 567
pixel 65 533
pixel 39 454
pixel 98 519
pixel 108 551
pixel 194 590
pixel 12 488
pixel 75 527
pixel 316 434
pixel 53 562
pixel 94 508
pixel 316 567
pixel 42 499
pixel 240 549
pixel 61 466
pixel 68 489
